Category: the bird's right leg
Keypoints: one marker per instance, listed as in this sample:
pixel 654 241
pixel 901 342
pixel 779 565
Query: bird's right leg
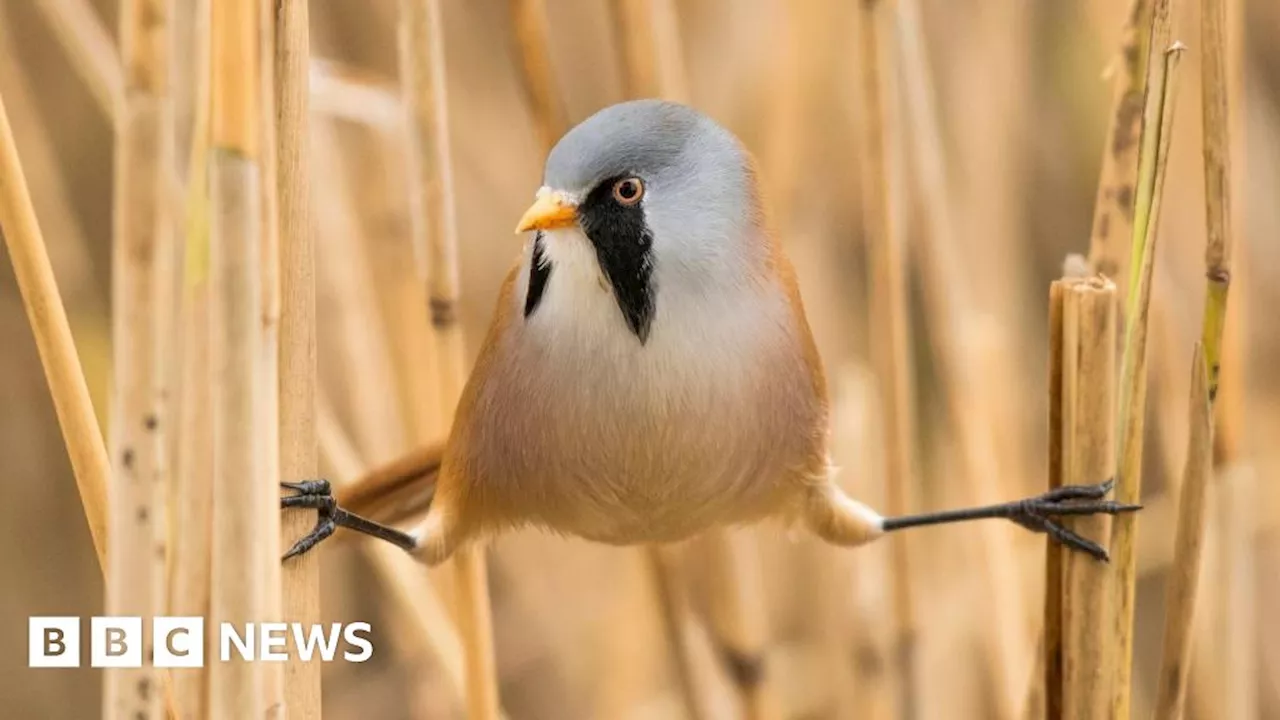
pixel 318 495
pixel 392 493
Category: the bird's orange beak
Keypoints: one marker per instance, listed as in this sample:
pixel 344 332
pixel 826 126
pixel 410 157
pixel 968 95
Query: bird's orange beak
pixel 550 211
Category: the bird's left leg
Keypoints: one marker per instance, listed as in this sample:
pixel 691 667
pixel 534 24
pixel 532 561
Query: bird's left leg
pixel 1038 514
pixel 840 519
pixel 318 495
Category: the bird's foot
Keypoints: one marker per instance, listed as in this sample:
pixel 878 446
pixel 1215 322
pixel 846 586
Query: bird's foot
pixel 1042 512
pixel 318 495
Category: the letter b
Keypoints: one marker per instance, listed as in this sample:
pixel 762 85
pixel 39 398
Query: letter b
pixel 116 642
pixel 53 642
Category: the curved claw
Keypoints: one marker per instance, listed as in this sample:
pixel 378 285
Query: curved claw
pixel 309 487
pixel 323 529
pixel 1076 542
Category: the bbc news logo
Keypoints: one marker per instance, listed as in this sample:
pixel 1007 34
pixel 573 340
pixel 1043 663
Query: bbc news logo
pixel 178 642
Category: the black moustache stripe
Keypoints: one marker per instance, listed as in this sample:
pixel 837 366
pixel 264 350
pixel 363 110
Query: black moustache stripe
pixel 539 274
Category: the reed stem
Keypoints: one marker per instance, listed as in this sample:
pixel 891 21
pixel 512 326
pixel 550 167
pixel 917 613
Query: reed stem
pixel 48 319
pixel 1088 455
pixel 968 378
pixel 436 242
pixel 890 330
pixel 1180 603
pixel 533 41
pixel 191 532
pixel 1113 207
pixel 652 60
pixel 300 581
pixel 136 560
pixel 1157 122
pixel 242 541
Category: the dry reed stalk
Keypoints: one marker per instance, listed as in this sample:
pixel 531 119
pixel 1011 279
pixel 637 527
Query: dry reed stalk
pixel 890 331
pixel 692 677
pixel 1234 628
pixel 1236 625
pixel 1184 575
pixel 380 198
pixel 346 299
pixel 649 39
pixel 1217 185
pixel 268 368
pixel 991 58
pixel 533 40
pixel 436 242
pixel 1157 126
pixel 39 289
pixel 138 518
pixel 344 93
pixel 91 50
pixel 1047 683
pixel 300 580
pixel 1113 207
pixel 242 542
pixel 740 620
pixel 1088 453
pixel 967 378
pixel 191 531
pixel 71 258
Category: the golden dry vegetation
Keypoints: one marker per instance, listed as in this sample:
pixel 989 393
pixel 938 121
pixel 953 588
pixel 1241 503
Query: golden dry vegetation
pixel 947 176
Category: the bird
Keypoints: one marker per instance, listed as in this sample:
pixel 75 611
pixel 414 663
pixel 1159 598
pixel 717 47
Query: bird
pixel 649 372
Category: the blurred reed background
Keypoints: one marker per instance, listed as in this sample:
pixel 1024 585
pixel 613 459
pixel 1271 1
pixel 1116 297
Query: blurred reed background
pixel 984 127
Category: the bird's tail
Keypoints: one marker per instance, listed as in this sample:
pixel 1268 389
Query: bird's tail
pixel 396 492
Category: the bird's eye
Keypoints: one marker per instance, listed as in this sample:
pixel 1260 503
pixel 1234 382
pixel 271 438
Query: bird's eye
pixel 628 191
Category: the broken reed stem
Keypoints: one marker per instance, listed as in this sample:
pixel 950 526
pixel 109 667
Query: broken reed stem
pixel 890 329
pixel 1113 207
pixel 533 41
pixel 90 49
pixel 30 257
pixel 138 518
pixel 1088 457
pixel 1157 133
pixel 435 239
pixel 1184 575
pixel 300 579
pixel 965 374
pixel 242 544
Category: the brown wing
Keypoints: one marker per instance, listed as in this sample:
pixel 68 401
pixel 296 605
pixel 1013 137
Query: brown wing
pixel 398 491
pixel 403 489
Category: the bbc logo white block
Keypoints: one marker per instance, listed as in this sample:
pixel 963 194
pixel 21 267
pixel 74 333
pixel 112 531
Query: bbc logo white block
pixel 179 642
pixel 115 642
pixel 53 642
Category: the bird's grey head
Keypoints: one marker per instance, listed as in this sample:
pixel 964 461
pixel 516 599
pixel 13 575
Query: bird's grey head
pixel 664 195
